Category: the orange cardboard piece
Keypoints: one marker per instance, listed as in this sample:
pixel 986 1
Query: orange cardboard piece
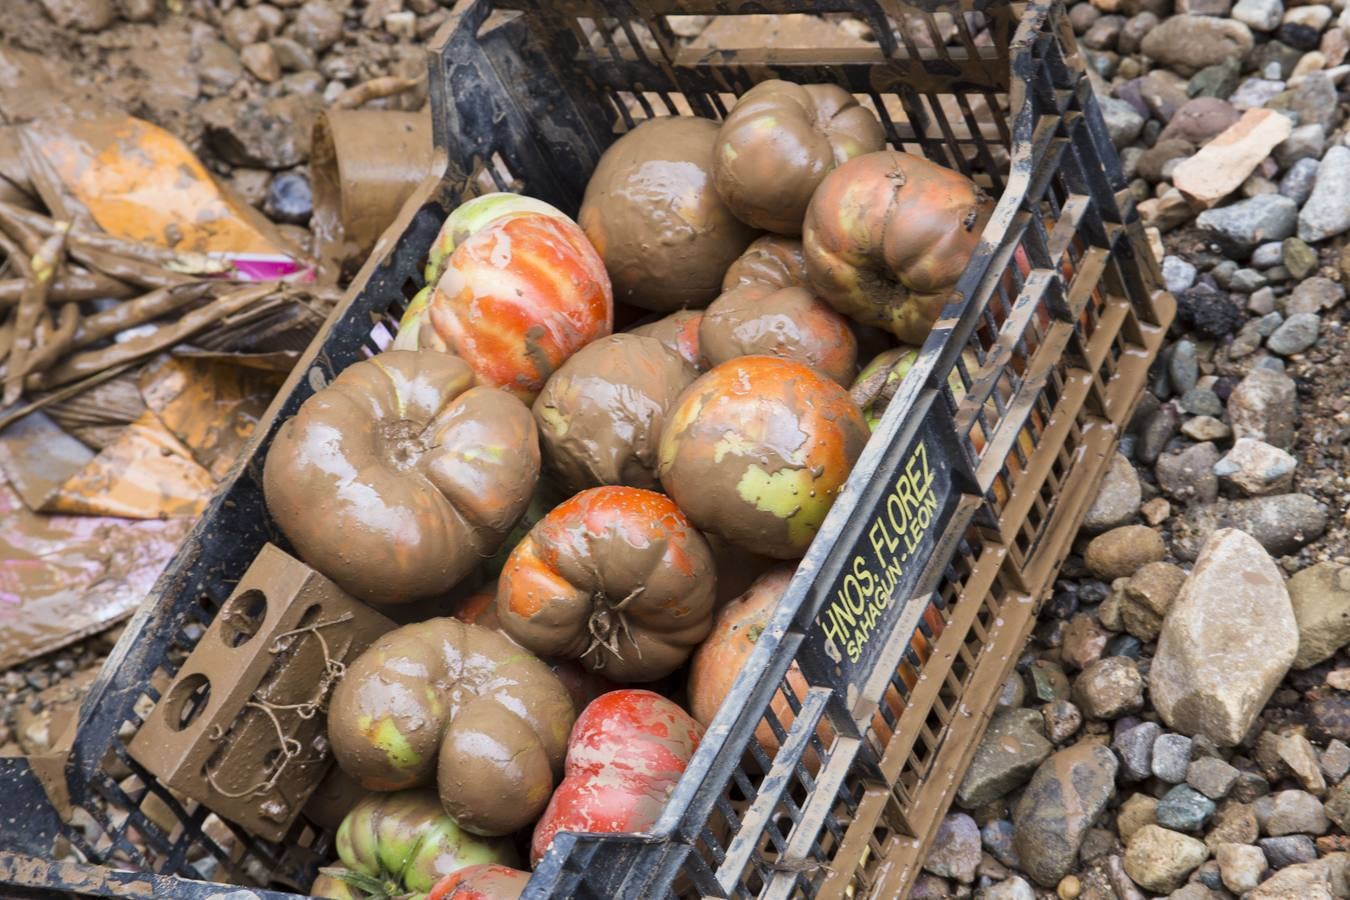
pixel 146 473
pixel 141 183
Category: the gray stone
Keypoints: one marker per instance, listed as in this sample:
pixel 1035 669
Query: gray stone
pixel 1304 142
pixel 1281 523
pixel 1337 805
pixel 1298 333
pixel 1118 497
pixel 1219 80
pixel 293 55
pixel 1013 693
pixel 1048 681
pixel 1256 468
pixel 1123 122
pixel 1200 401
pixel 1288 850
pixel 1135 747
pixel 1188 475
pixel 1012 748
pixel 1335 759
pixel 1306 881
pixel 1247 223
pixel 1249 786
pixel 1066 795
pixel 1245 281
pixel 270 133
pixel 1268 324
pixel 1178 274
pixel 1327 212
pixel 1259 15
pixel 1255 93
pixel 1160 428
pixel 1190 43
pixel 997 838
pixel 1320 596
pixel 1312 98
pixel 1264 406
pixel 318 25
pixel 1226 642
pixel 1241 866
pixel 1268 254
pixel 1158 859
pixel 1132 34
pixel 1262 301
pixel 956 849
pixel 1109 688
pixel 1211 776
pixel 1290 812
pixel 1183 368
pixel 1314 295
pixel 1297 183
pixel 1184 809
pixel 1171 756
pixel 1104 33
pixel 1206 428
pixel 1200 120
pixel 1014 888
pixel 1164 93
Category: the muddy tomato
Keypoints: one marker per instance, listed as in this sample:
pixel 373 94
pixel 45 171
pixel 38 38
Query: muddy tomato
pixel 481 882
pixel 400 476
pixel 616 577
pixel 679 332
pixel 756 451
pixel 771 260
pixel 790 323
pixel 627 753
pixel 517 298
pixel 886 237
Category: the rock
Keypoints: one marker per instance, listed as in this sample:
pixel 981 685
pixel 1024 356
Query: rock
pixel 1256 468
pixel 1188 475
pixel 242 26
pixel 1304 142
pixel 1184 809
pixel 997 838
pixel 1164 93
pixel 1320 596
pixel 1337 807
pixel 1335 759
pixel 1299 755
pixel 1135 747
pixel 1159 860
pixel 1178 274
pixel 1117 499
pixel 1154 161
pixel 1288 850
pixel 1314 295
pixel 1048 681
pixel 1171 756
pixel 930 887
pixel 1189 43
pixel 1014 888
pixel 1221 166
pixel 1160 428
pixel 271 133
pixel 1298 333
pixel 1235 822
pixel 1243 225
pixel 1123 123
pixel 1109 688
pixel 1183 368
pixel 1255 93
pixel 1062 720
pixel 1064 798
pixel 956 849
pixel 1290 812
pixel 1309 881
pixel 1166 212
pixel 1013 693
pixel 1147 597
pixel 1297 183
pixel 317 25
pixel 1120 552
pixel 1132 34
pixel 1200 120
pixel 1312 98
pixel 1226 643
pixel 1241 866
pixel 1264 406
pixel 1329 718
pixel 293 56
pixel 1202 428
pixel 261 60
pixel 1246 281
pixel 289 198
pixel 1210 313
pixel 1211 776
pixel 1281 523
pixel 1084 642
pixel 1259 15
pixel 1327 212
pixel 1267 255
pixel 81 15
pixel 1012 747
pixel 1137 811
pixel 1200 401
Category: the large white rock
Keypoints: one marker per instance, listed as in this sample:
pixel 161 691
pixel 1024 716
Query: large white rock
pixel 1226 642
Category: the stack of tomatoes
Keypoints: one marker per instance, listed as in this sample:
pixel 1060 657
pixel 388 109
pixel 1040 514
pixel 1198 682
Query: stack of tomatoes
pixel 639 497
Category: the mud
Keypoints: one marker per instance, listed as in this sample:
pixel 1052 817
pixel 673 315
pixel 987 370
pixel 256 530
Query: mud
pixel 617 578
pixel 679 332
pixel 653 213
pixel 600 415
pixel 399 478
pixel 463 707
pixel 886 237
pixel 779 143
pixel 756 451
pixel 772 260
pixel 790 323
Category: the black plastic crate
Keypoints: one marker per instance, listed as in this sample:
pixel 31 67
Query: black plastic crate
pixel 1060 308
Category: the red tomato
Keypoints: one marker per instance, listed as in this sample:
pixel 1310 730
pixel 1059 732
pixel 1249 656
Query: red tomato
pixel 627 752
pixel 482 882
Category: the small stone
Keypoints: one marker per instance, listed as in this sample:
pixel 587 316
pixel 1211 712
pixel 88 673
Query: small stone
pixel 1308 881
pixel 1219 80
pixel 1048 681
pixel 1314 295
pixel 1255 93
pixel 1158 510
pixel 1135 747
pixel 1178 274
pixel 1158 859
pixel 1335 759
pixel 1123 122
pixel 1298 258
pixel 1188 475
pixel 1183 368
pixel 218 66
pixel 1109 688
pixel 1164 93
pixel 1015 888
pixel 1132 34
pixel 1290 812
pixel 261 60
pixel 289 198
pixel 1259 15
pixel 1314 17
pixel 1200 120
pixel 1062 720
pixel 1327 212
pixel 1241 866
pixel 1301 758
pixel 1160 428
pixel 318 25
pixel 1137 811
pixel 997 838
pixel 1200 401
pixel 1320 595
pixel 268 133
pixel 1221 166
pixel 1084 642
pixel 1201 428
pixel 1117 499
pixel 1104 33
pixel 1264 406
pixel 1281 523
pixel 1126 645
pixel 1184 809
pixel 1247 223
pixel 1267 255
pixel 1190 43
pixel 956 849
pixel 1211 776
pixel 1235 822
pixel 1298 333
pixel 242 26
pixel 1288 850
pixel 401 24
pixel 1256 468
pixel 930 887
pixel 1267 325
pixel 1337 807
pixel 1245 281
pixel 1147 597
pixel 1304 142
pixel 1122 551
pixel 1297 183
pixel 1171 756
pixel 1249 786
pixel 1013 693
pixel 1166 212
pixel 1066 795
pixel 1008 754
pixel 293 56
pixel 1069 888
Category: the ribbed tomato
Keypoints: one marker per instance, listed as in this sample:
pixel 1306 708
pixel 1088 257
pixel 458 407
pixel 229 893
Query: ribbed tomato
pixel 481 882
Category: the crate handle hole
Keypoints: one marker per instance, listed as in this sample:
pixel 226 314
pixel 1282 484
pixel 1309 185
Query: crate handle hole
pixel 242 616
pixel 186 701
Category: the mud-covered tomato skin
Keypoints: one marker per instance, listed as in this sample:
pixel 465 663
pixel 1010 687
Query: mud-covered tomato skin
pixel 679 332
pixel 481 882
pixel 790 323
pixel 627 752
pixel 756 451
